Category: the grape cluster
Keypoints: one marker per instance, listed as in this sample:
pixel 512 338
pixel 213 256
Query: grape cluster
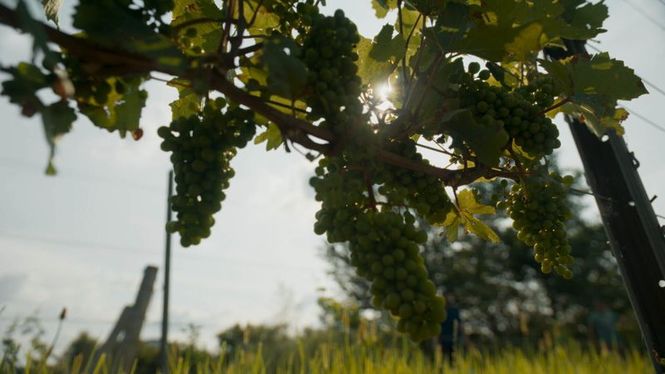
pixel 384 248
pixel 328 52
pixel 519 112
pixel 539 91
pixel 538 208
pixel 188 42
pixel 385 251
pixel 406 187
pixel 202 148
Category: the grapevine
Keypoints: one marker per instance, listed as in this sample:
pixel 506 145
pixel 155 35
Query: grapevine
pixel 308 79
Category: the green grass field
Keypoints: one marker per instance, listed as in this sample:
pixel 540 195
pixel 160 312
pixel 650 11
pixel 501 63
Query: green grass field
pixel 358 358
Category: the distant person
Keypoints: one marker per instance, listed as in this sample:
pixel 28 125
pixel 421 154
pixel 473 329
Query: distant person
pixel 602 327
pixel 451 329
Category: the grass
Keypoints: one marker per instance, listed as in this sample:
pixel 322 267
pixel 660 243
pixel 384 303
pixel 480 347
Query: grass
pixel 357 358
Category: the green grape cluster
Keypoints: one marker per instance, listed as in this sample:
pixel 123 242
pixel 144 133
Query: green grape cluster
pixel 385 251
pixel 406 187
pixel 328 52
pixel 202 148
pixel 539 91
pixel 519 112
pixel 538 208
pixel 384 246
pixel 186 41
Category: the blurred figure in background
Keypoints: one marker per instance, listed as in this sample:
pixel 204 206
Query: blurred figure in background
pixel 451 329
pixel 602 327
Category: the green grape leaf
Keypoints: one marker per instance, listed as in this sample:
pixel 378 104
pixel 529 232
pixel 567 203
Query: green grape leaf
pixel 594 85
pixel 272 136
pixel 602 75
pixel 384 47
pixel 191 34
pixel 464 215
pixel 26 80
pixel 57 119
pixel 478 227
pixel 264 20
pixel 426 96
pixel 452 224
pixel 51 8
pixel 410 19
pixel 585 21
pixel 527 42
pixel 451 26
pixel 500 30
pixel 558 70
pixel 485 141
pixel 188 102
pixel 487 41
pixel 370 70
pixel 382 7
pixel 252 68
pixel 121 111
pixel 35 28
pixel 598 117
pixel 287 75
pixel 126 27
pixel 466 201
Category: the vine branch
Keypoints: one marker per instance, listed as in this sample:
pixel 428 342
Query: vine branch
pixel 297 130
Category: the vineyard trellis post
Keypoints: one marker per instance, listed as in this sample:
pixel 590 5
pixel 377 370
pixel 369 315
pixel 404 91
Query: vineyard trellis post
pixel 163 343
pixel 632 227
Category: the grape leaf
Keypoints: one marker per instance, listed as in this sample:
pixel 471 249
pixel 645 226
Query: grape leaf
pixel 287 75
pixel 498 30
pixel 30 25
pixel 485 141
pixel 57 119
pixel 467 207
pixel 527 42
pixel 204 35
pixel 121 111
pixel 51 8
pixel 385 47
pixel 382 7
pixel 594 85
pixel 188 102
pixel 126 27
pixel 272 136
pixel 451 25
pixel 586 20
pixel 602 75
pixel 370 70
pixel 427 95
pixel 26 80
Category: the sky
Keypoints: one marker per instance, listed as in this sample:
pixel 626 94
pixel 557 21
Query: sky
pixel 80 240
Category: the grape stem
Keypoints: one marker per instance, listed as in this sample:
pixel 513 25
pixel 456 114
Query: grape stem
pixel 295 129
pixel 370 190
pixel 256 13
pixel 559 104
pixel 197 21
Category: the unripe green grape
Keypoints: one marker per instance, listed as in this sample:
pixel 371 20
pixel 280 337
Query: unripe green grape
pixel 473 68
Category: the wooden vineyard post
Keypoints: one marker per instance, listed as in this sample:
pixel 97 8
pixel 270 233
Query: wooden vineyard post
pixel 632 229
pixel 164 340
pixel 122 344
